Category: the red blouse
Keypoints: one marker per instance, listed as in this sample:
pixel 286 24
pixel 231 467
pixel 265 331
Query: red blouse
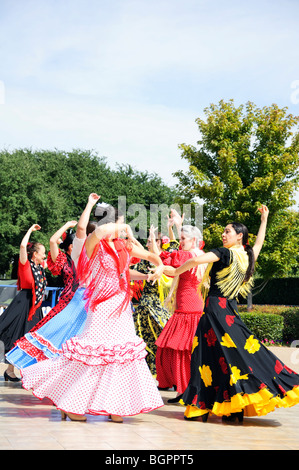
pixel 26 281
pixel 188 297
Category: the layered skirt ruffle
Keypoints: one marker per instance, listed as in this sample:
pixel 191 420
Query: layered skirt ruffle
pixel 174 347
pixel 102 371
pixel 179 331
pixel 96 380
pixel 232 371
pixel 101 355
pixel 46 342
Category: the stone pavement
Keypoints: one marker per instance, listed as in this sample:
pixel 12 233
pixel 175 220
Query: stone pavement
pixel 27 423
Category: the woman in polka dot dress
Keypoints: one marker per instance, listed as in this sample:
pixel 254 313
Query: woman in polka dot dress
pixel 45 340
pixel 174 344
pixel 102 371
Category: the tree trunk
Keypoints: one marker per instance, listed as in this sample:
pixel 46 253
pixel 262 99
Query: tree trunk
pixel 249 301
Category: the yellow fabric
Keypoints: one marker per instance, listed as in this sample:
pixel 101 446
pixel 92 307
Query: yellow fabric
pixel 231 279
pixel 164 286
pixel 255 404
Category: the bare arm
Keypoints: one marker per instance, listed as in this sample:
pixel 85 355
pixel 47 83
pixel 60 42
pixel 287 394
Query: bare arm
pixel 190 264
pixel 262 231
pixel 54 239
pixel 170 223
pixel 154 247
pixel 137 276
pixel 84 219
pixel 139 252
pixel 110 230
pixel 177 220
pixel 23 246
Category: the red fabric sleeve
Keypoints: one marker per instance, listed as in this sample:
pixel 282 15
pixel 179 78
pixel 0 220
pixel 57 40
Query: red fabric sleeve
pixel 26 281
pixel 175 258
pixel 56 267
pixel 25 277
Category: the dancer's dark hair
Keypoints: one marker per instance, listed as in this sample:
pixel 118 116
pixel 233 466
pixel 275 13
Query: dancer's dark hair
pixel 33 247
pixel 241 228
pixel 67 240
pixel 91 226
pixel 106 214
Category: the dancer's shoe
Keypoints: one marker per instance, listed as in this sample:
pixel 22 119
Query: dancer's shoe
pixel 9 378
pixel 233 417
pixel 203 417
pixel 72 416
pixel 176 399
pixel 116 418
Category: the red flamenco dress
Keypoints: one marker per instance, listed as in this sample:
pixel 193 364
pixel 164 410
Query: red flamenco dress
pixel 174 345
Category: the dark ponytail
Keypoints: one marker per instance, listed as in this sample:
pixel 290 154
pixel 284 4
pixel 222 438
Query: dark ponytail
pixel 32 247
pixel 240 228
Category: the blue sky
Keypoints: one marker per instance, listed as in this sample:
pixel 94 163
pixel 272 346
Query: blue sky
pixel 128 78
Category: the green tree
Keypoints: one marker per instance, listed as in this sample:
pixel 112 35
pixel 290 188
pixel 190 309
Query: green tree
pixel 51 187
pixel 247 156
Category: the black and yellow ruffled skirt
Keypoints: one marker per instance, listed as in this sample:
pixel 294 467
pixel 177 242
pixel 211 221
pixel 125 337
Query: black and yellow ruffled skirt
pixel 150 317
pixel 232 371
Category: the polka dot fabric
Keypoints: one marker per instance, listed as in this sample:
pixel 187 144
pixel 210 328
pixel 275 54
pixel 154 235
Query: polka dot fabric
pixel 101 371
pixel 174 344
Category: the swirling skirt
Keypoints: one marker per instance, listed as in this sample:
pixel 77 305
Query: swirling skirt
pixel 174 347
pixel 231 370
pixel 102 371
pixel 149 318
pixel 14 320
pixel 46 341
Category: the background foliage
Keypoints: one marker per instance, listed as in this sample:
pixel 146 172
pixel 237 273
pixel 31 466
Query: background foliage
pixel 247 156
pixel 52 187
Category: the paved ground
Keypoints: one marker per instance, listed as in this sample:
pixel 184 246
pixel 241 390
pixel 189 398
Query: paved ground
pixel 28 423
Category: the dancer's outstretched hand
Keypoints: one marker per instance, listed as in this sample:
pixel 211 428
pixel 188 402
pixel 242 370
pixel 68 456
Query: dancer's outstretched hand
pixel 264 212
pixel 93 198
pixel 35 227
pixel 155 274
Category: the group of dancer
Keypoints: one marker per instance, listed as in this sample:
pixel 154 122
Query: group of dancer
pixel 93 353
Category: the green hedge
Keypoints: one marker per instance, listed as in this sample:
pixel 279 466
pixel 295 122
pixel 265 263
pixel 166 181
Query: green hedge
pixel 272 322
pixel 266 327
pixel 291 324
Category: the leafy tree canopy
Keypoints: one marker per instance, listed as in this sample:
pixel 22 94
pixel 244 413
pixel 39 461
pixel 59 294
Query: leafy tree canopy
pixel 247 156
pixel 52 187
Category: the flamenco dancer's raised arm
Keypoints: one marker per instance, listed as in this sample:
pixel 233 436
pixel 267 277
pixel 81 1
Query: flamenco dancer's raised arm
pixel 228 241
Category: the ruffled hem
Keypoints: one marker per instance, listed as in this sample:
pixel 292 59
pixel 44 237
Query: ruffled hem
pixel 254 404
pixel 120 389
pixel 30 349
pixel 179 331
pixel 74 349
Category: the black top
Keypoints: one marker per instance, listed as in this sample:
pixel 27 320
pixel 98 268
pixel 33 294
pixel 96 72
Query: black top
pixel 224 262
